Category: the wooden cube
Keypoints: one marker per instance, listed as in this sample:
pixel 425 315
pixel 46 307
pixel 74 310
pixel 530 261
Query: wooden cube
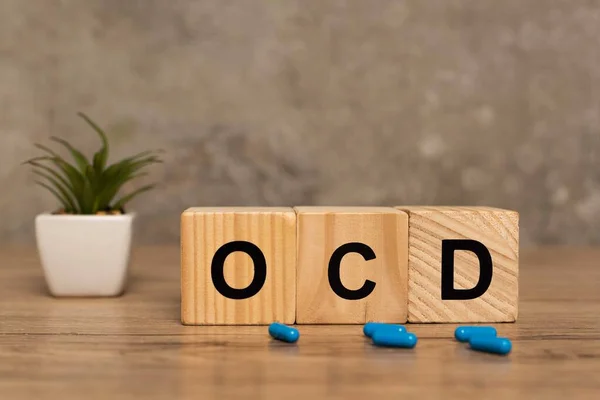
pixel 238 265
pixel 352 265
pixel 463 264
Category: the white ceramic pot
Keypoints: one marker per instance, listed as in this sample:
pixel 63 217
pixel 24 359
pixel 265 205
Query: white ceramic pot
pixel 84 255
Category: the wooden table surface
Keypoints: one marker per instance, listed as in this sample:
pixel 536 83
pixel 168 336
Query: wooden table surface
pixel 135 347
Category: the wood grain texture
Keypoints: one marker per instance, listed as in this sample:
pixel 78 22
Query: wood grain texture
pixel 497 229
pixel 135 347
pixel 204 231
pixel 321 230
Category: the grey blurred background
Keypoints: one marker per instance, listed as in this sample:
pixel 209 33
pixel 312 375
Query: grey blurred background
pixel 306 102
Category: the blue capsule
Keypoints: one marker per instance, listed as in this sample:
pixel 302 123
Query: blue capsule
pixel 388 338
pixel 491 344
pixel 283 332
pixel 464 333
pixel 371 327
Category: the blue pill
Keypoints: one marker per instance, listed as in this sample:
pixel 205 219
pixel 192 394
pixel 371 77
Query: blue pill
pixel 464 333
pixel 284 332
pixel 371 327
pixel 491 344
pixel 388 338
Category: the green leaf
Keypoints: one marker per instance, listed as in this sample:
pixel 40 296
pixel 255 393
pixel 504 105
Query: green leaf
pixel 90 190
pixel 46 149
pixel 101 156
pixel 127 161
pixel 73 175
pixel 93 125
pixel 80 159
pixel 36 164
pixel 118 175
pixel 35 159
pixel 65 197
pixel 109 192
pixel 99 161
pixel 62 201
pixel 75 178
pixel 71 194
pixel 124 200
pixel 87 194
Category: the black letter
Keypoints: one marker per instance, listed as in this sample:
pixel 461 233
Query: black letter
pixel 260 270
pixel 485 269
pixel 334 271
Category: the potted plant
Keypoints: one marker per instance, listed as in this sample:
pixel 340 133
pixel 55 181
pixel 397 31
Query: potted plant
pixel 84 244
